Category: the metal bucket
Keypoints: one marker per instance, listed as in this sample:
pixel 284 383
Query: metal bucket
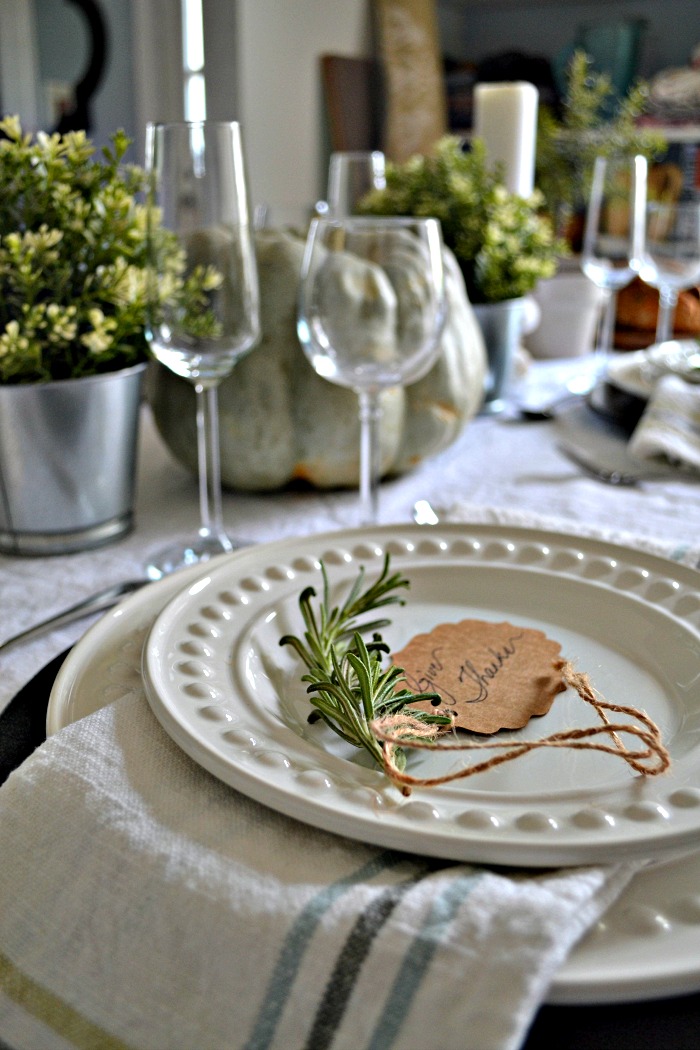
pixel 68 462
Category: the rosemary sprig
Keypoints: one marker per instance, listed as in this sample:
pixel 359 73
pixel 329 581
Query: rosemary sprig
pixel 348 687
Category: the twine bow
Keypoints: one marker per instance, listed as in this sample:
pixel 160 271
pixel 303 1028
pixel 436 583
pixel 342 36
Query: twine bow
pixel 399 730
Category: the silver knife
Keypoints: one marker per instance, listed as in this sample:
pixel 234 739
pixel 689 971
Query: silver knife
pixel 98 602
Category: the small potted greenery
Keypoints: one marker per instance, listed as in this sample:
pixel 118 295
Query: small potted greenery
pixel 503 242
pixel 72 258
pixel 73 299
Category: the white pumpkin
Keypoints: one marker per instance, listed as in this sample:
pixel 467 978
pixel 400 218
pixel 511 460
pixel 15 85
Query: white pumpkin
pixel 280 422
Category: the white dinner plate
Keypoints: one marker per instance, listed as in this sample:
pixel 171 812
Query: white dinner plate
pixel 648 944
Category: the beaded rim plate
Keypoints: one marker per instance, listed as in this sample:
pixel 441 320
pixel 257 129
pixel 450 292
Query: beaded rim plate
pixel 232 698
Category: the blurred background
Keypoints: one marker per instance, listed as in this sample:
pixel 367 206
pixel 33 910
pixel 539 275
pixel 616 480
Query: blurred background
pixel 306 76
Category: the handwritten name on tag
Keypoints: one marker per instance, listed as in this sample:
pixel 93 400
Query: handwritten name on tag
pixel 490 676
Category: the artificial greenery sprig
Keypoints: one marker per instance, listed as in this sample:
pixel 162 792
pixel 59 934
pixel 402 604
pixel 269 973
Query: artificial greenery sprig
pixel 591 121
pixel 348 687
pixel 502 242
pixel 76 278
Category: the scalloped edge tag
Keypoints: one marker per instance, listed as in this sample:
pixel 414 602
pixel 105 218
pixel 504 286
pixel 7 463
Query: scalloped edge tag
pixel 490 676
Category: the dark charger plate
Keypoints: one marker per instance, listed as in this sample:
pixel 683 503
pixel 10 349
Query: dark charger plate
pixel 23 722
pixel 623 406
pixel 617 406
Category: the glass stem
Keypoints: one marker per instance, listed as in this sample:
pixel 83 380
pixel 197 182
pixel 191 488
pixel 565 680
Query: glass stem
pixel 667 308
pixel 209 463
pixel 607 322
pixel 370 456
pixel 605 334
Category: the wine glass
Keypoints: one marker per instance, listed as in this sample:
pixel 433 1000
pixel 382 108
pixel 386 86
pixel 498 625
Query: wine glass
pixel 351 175
pixel 670 256
pixel 608 256
pixel 371 312
pixel 203 294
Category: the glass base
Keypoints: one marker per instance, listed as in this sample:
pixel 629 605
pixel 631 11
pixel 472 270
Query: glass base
pixel 200 549
pixel 493 407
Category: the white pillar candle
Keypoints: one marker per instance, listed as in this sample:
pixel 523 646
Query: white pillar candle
pixel 505 119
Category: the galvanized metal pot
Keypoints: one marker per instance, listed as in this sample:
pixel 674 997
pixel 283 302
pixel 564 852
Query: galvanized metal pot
pixel 501 325
pixel 68 462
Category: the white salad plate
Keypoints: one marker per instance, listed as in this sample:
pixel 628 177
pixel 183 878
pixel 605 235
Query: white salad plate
pixel 227 692
pixel 231 696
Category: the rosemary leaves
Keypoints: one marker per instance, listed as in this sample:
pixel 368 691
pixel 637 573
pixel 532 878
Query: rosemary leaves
pixel 348 687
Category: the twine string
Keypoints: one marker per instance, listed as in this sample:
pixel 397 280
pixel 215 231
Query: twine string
pixel 403 730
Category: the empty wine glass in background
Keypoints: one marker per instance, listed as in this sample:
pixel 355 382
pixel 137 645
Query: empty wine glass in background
pixel 198 205
pixel 351 175
pixel 670 256
pixel 371 312
pixel 609 249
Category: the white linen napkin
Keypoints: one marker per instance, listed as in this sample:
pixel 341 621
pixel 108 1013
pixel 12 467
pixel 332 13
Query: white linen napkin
pixel 670 425
pixel 145 904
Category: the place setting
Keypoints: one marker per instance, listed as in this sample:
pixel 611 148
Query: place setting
pixel 650 393
pixel 203 654
pixel 271 798
pixel 627 416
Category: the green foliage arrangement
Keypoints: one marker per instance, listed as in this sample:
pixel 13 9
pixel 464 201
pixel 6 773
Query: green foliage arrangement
pixel 73 258
pixel 503 243
pixel 567 144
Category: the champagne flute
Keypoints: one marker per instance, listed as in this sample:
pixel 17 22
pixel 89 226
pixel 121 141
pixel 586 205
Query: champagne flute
pixel 371 312
pixel 200 235
pixel 609 249
pixel 351 175
pixel 670 256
